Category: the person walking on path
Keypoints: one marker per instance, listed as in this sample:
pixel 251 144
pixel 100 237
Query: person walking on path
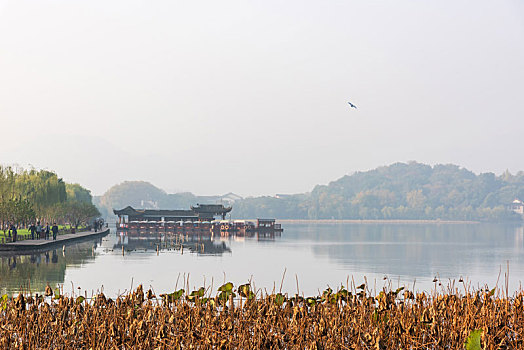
pixel 32 229
pixel 38 230
pixel 54 229
pixel 47 230
pixel 14 231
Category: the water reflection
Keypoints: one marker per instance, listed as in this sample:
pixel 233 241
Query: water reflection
pixel 416 250
pixel 419 252
pixel 203 245
pixel 31 271
pixel 315 254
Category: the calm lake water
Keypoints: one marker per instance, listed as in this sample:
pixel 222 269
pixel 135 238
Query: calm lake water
pixel 317 255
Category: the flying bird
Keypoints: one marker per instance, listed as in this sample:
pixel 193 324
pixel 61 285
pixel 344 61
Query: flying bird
pixel 352 105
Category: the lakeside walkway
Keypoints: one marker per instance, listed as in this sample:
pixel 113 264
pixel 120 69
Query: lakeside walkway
pixel 38 244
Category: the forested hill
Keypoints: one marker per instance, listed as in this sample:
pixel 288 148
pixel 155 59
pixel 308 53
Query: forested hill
pixel 138 194
pixel 397 191
pixel 141 194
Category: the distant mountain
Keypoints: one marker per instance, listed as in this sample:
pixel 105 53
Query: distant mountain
pixel 398 191
pixel 418 191
pixel 141 194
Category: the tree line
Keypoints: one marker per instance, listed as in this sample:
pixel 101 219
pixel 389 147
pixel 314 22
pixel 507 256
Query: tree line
pixel 32 195
pixel 401 191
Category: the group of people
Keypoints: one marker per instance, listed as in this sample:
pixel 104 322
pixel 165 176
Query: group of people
pixel 43 231
pixel 13 232
pixel 98 224
pixel 37 231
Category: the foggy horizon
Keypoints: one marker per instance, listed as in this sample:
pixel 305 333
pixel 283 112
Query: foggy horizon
pixel 251 98
pixel 175 190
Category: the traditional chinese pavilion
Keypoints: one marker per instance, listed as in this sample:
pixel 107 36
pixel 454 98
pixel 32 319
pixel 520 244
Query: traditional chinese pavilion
pixel 200 212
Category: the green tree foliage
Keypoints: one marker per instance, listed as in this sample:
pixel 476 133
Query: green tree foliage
pixel 17 210
pixel 29 195
pixel 399 191
pixel 77 213
pixel 78 193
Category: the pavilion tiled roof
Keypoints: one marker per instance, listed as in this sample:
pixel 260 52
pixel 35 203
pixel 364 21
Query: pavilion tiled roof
pixel 200 210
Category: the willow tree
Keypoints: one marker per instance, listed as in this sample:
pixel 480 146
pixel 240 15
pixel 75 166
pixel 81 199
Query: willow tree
pixel 42 188
pixel 35 194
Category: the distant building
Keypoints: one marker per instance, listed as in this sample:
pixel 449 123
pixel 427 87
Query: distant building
pixel 228 198
pixel 517 206
pixel 282 196
pixel 148 204
pixel 231 197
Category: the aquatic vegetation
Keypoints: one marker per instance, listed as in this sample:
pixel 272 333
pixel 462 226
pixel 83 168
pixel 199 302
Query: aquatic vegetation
pixel 473 341
pixel 244 318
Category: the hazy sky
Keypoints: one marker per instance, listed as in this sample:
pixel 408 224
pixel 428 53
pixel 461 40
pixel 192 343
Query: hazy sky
pixel 251 96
